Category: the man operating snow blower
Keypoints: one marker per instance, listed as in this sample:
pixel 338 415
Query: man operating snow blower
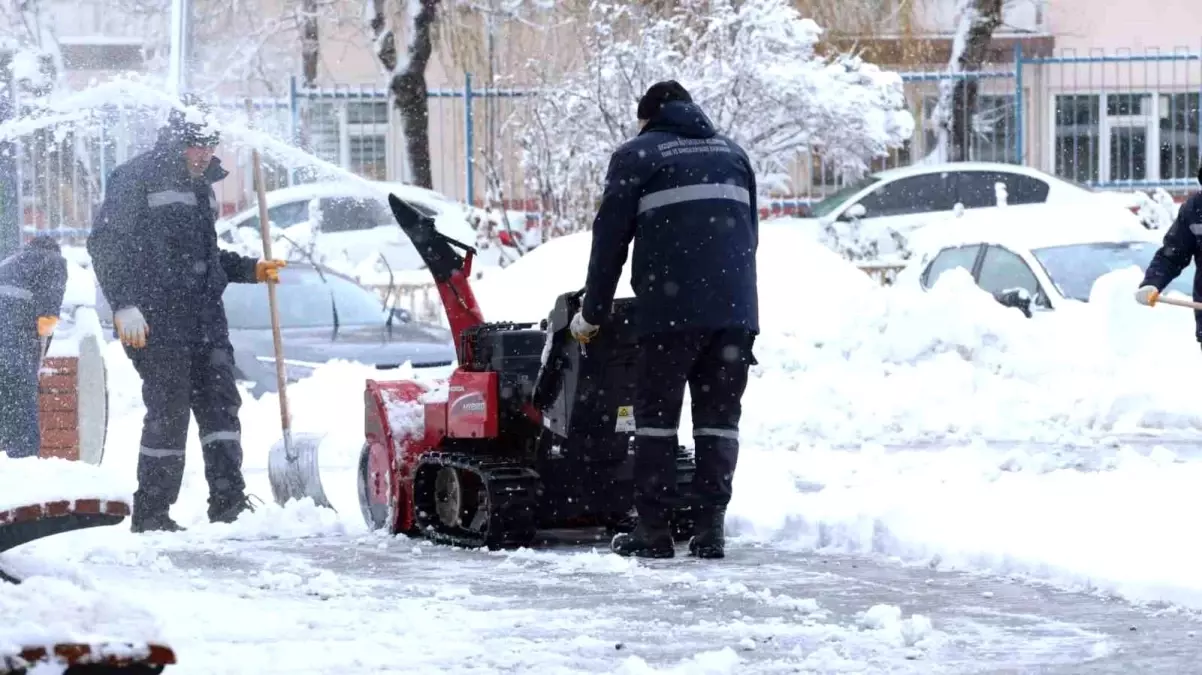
pixel 1181 246
pixel 686 196
pixel 32 284
pixel 154 249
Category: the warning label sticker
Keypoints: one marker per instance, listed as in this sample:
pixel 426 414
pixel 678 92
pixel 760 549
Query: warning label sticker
pixel 625 423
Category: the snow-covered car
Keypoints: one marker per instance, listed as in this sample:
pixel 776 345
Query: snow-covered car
pixel 1033 267
pixel 354 221
pixel 864 215
pixel 324 316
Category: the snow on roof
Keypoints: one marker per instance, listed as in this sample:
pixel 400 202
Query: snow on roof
pixel 920 169
pixel 1031 226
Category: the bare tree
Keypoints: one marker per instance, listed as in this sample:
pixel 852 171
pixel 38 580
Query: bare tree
pixel 407 79
pixel 977 20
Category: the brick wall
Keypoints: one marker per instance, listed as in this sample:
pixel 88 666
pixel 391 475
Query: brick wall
pixel 58 408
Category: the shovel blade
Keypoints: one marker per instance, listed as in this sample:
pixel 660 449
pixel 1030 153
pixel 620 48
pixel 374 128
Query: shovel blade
pixel 295 474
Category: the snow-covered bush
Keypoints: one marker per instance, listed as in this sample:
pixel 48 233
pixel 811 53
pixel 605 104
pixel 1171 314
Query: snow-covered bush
pixel 752 65
pixel 1158 211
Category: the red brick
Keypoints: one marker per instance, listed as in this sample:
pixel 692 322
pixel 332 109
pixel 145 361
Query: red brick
pixel 66 384
pixel 55 421
pixel 58 403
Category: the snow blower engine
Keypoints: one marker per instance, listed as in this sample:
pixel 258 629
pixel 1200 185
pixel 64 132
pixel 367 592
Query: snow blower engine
pixel 531 432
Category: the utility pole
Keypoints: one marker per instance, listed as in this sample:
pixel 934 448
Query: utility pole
pixel 179 74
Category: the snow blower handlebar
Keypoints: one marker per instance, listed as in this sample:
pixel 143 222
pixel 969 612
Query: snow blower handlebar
pixel 451 271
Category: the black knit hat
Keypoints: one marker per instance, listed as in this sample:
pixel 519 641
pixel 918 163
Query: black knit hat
pixel 184 128
pixel 659 94
pixel 45 243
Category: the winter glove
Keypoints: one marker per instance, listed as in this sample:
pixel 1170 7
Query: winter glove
pixel 1147 295
pixel 131 327
pixel 46 325
pixel 582 330
pixel 268 270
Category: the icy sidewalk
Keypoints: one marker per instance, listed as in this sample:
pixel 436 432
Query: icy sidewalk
pixel 375 604
pixel 1112 520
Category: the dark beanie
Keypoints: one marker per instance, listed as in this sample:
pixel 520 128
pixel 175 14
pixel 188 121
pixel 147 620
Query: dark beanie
pixel 659 94
pixel 45 243
pixel 189 132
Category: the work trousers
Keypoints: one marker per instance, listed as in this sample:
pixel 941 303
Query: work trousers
pixel 714 365
pixel 177 382
pixel 20 435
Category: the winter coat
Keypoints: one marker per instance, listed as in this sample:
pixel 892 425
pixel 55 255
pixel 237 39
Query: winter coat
pixel 154 246
pixel 686 195
pixel 32 284
pixel 1182 244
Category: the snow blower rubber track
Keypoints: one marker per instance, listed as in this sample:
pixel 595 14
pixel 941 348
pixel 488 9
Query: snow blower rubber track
pixel 475 501
pixel 24 524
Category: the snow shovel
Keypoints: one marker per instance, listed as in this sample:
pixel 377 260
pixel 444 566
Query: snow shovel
pixel 292 463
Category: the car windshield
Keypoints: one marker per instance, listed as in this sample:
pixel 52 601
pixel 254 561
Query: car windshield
pixel 304 302
pixel 1075 268
pixel 837 198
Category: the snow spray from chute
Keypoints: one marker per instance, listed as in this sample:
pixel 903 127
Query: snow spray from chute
pixel 76 109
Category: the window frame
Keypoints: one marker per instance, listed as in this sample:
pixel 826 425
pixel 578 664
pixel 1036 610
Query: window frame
pixel 1159 104
pixel 950 186
pixel 1040 299
pixel 925 279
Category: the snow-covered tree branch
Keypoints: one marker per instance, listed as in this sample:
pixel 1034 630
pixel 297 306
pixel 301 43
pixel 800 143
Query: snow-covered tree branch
pixel 752 67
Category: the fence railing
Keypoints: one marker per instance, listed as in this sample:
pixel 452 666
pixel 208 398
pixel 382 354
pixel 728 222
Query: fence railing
pixel 1114 121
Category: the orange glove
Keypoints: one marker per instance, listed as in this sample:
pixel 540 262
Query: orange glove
pixel 46 325
pixel 269 270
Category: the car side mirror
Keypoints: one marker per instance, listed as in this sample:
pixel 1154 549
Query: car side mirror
pixel 1017 298
pixel 854 212
pixel 402 315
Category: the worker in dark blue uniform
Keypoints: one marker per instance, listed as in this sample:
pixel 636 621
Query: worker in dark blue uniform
pixel 686 195
pixel 1181 246
pixel 32 284
pixel 155 253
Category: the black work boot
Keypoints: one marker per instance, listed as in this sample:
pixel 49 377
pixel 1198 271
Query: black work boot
pixel 153 521
pixel 709 540
pixel 646 541
pixel 227 509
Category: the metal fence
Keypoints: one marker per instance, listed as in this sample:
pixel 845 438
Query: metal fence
pixel 1122 121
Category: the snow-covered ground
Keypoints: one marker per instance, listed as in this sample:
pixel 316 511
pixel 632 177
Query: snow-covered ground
pixel 930 428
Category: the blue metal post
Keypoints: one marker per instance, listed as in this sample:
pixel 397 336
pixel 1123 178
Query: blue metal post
pixel 1020 121
pixel 293 122
pixel 469 141
pixel 10 194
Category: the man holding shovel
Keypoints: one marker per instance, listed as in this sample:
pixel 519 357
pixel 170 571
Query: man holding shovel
pixel 155 253
pixel 32 284
pixel 1181 245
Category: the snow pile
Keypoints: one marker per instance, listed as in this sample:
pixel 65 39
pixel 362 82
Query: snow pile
pixel 1102 519
pixel 1156 211
pixel 844 360
pixel 33 480
pixel 45 611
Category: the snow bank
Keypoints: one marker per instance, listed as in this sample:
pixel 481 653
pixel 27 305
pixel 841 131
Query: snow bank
pixel 1105 520
pixel 44 611
pixel 32 480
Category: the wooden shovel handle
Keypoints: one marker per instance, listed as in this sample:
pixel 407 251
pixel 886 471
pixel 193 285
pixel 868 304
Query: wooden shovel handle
pixel 1180 303
pixel 277 341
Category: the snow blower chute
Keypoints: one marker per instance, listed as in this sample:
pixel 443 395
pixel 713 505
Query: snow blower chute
pixel 534 432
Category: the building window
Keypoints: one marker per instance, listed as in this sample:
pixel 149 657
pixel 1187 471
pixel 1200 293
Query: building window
pixel 1179 136
pixel 352 134
pixel 1130 137
pixel 1078 129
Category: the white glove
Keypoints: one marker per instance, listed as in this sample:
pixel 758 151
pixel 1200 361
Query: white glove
pixel 1147 295
pixel 582 330
pixel 131 327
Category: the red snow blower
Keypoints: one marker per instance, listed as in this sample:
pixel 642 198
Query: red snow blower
pixel 534 432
